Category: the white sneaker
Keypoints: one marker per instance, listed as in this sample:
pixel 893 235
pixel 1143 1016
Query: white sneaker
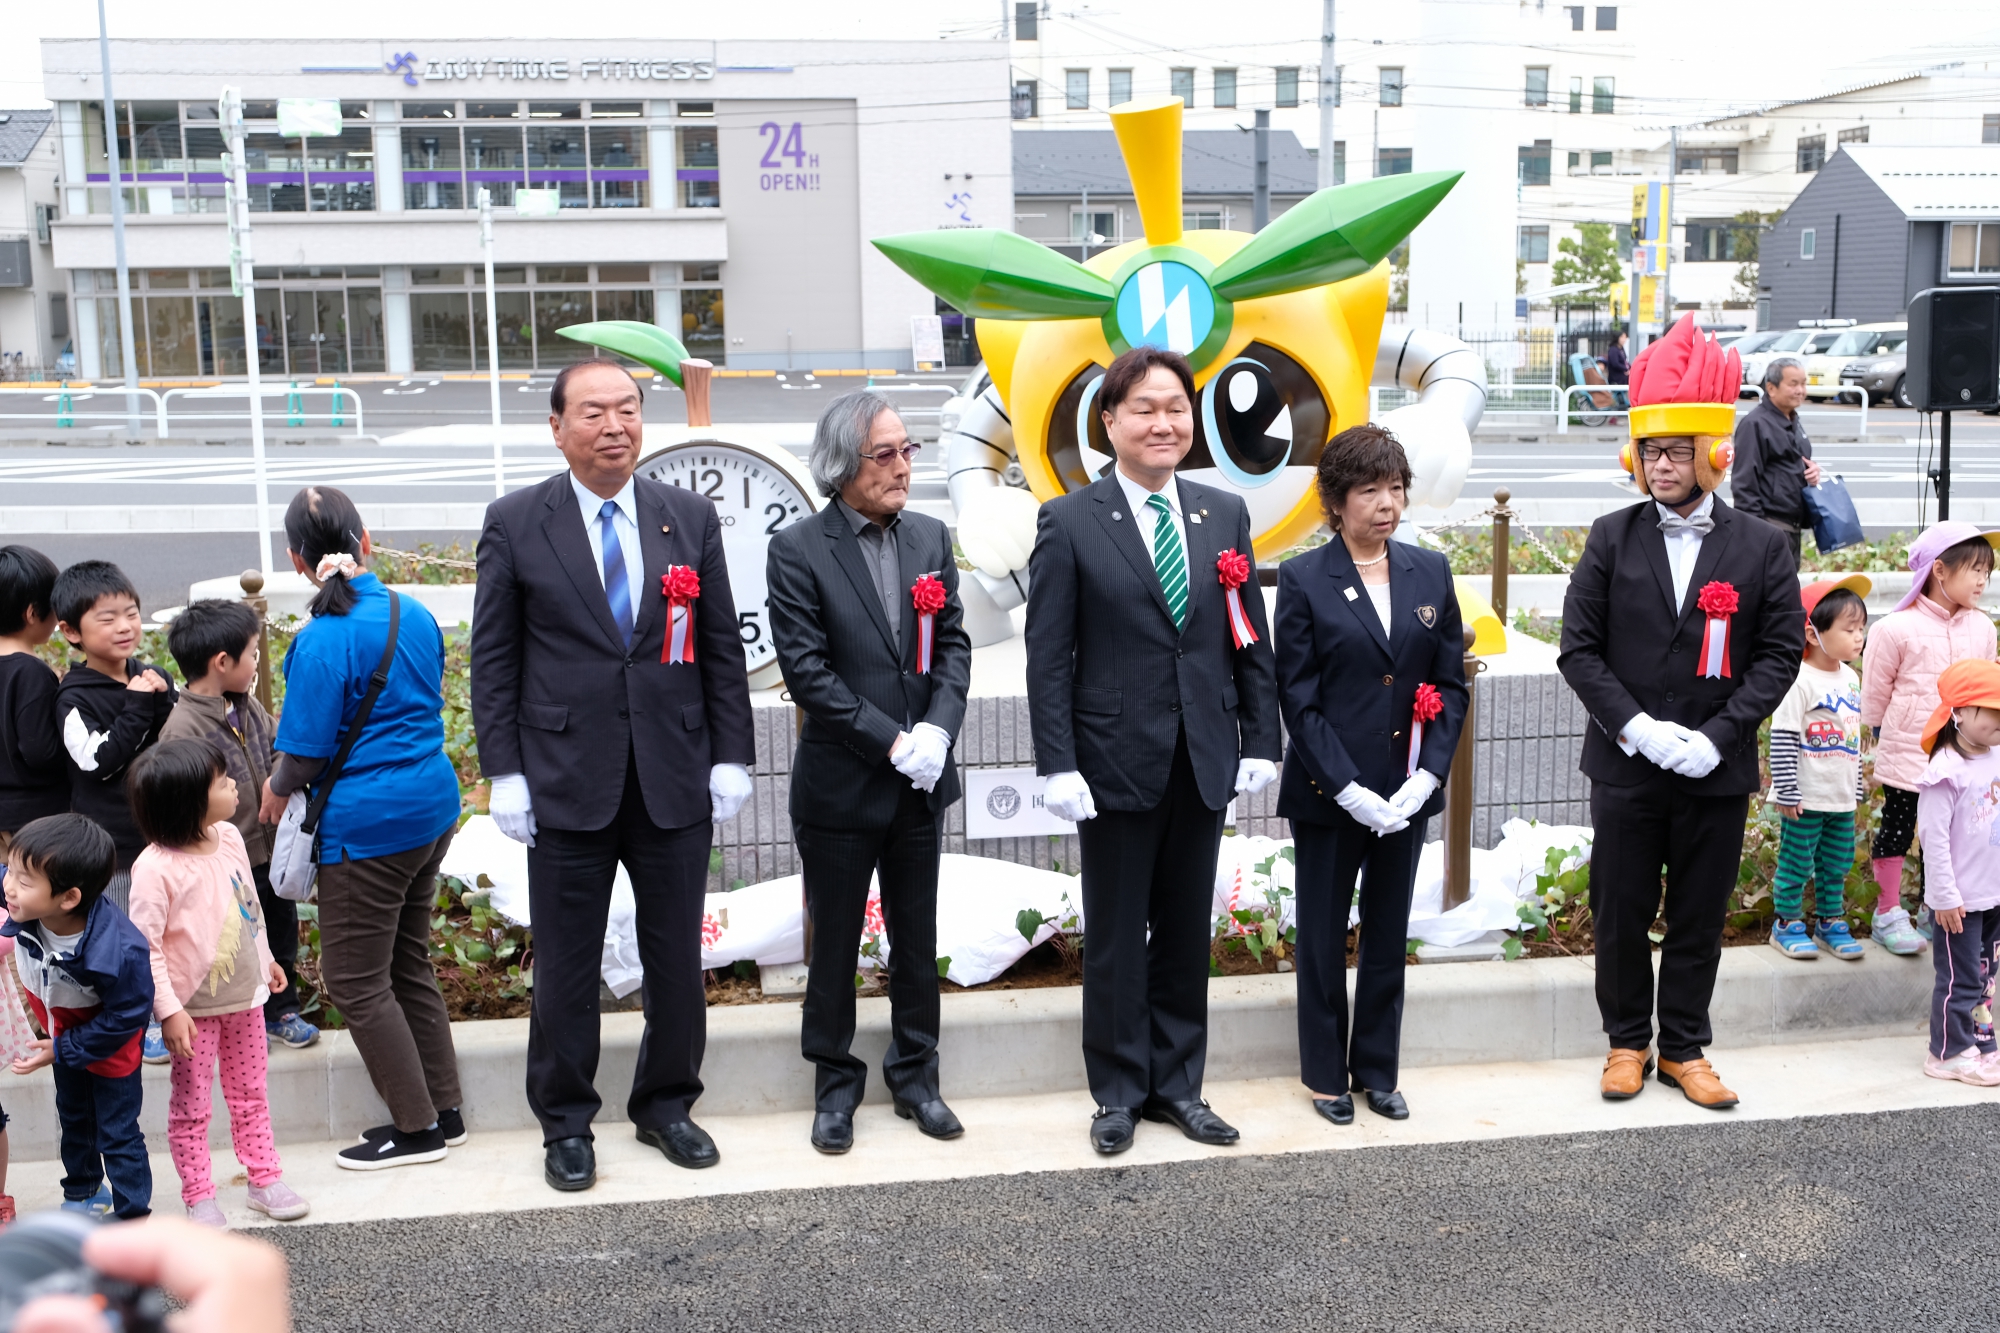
pixel 1893 931
pixel 207 1213
pixel 1969 1066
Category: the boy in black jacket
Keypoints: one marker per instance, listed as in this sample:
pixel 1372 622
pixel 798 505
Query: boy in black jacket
pixel 109 708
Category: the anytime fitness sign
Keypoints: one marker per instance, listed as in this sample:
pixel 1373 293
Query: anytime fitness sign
pixel 558 71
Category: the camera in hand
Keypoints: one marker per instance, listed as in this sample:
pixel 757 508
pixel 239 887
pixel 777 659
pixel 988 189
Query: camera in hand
pixel 42 1255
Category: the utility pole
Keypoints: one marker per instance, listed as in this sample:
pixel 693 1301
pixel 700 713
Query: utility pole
pixel 1083 252
pixel 237 186
pixel 1667 230
pixel 1329 92
pixel 127 350
pixel 492 339
pixel 1260 187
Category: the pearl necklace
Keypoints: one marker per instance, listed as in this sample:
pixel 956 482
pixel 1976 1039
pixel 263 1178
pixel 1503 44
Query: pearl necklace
pixel 1364 564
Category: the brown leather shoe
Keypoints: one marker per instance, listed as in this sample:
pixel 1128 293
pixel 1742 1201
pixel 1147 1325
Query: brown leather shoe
pixel 1625 1074
pixel 1698 1083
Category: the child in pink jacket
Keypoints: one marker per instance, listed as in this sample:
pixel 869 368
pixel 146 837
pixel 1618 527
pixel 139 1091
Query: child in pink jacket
pixel 195 900
pixel 1937 623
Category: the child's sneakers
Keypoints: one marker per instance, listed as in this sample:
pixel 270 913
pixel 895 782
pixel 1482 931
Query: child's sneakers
pixel 207 1213
pixel 154 1049
pixel 279 1202
pixel 1894 932
pixel 1969 1066
pixel 1834 937
pixel 293 1031
pixel 97 1205
pixel 398 1149
pixel 1791 939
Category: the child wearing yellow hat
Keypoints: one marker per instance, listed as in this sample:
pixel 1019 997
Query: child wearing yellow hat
pixel 1958 798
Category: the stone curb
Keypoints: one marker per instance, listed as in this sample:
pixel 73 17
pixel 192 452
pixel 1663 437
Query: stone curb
pixel 1012 1043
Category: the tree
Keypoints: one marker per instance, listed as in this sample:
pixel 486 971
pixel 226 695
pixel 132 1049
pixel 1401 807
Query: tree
pixel 1748 231
pixel 1590 256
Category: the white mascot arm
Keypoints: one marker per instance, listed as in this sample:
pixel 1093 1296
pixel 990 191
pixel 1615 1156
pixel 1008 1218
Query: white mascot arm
pixel 1449 380
pixel 996 522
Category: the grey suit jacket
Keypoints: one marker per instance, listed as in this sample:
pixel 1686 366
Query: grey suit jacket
pixel 1111 682
pixel 842 667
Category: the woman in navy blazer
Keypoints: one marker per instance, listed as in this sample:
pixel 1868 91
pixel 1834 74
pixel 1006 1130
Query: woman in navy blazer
pixel 1362 623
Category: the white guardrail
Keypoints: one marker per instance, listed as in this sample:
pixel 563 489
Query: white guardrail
pixel 62 405
pixel 63 409
pixel 1514 400
pixel 263 391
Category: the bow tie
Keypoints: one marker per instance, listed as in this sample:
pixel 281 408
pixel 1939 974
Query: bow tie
pixel 1673 524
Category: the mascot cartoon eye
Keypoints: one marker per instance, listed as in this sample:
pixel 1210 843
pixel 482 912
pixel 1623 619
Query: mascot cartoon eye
pixel 1259 414
pixel 1078 446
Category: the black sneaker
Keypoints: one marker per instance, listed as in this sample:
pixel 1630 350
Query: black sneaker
pixel 451 1122
pixel 396 1149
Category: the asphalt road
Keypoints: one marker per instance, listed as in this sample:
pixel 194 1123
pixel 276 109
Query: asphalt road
pixel 1864 1222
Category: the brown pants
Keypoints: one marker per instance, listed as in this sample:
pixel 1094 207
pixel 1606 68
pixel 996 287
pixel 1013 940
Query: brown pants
pixel 374 938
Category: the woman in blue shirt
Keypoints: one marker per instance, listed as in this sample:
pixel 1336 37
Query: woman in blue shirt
pixel 394 808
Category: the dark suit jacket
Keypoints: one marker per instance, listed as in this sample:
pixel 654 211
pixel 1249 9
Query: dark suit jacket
pixel 1111 683
pixel 555 693
pixel 842 667
pixel 1627 650
pixel 1348 689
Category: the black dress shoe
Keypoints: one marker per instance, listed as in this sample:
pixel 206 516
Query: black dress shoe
pixel 933 1118
pixel 1340 1110
pixel 685 1144
pixel 1195 1120
pixel 1112 1128
pixel 833 1132
pixel 570 1164
pixel 1390 1104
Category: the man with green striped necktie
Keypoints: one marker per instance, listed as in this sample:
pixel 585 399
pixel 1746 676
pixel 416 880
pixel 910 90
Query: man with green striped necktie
pixel 1148 717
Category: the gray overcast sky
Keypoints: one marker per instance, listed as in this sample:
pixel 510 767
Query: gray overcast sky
pixel 1734 54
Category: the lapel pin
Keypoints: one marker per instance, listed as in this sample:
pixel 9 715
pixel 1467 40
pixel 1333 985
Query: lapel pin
pixel 1197 517
pixel 665 528
pixel 1115 516
pixel 1427 614
pixel 1351 594
pixel 1204 511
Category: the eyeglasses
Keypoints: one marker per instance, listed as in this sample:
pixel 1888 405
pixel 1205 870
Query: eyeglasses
pixel 908 453
pixel 1680 453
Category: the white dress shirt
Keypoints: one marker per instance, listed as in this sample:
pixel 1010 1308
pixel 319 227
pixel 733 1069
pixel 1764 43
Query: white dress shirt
pixel 1684 548
pixel 626 524
pixel 1147 517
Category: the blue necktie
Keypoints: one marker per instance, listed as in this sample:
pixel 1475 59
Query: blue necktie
pixel 615 587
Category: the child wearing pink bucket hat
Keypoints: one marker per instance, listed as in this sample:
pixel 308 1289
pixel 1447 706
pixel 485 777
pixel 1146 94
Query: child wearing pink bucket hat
pixel 1937 622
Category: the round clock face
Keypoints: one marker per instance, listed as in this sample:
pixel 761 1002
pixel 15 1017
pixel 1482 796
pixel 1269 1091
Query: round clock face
pixel 756 496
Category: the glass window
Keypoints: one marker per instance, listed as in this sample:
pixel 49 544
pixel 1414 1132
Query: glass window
pixel 562 273
pixel 1600 164
pixel 1575 17
pixel 1201 221
pixel 493 111
pixel 1287 85
pixel 1094 227
pixel 110 358
pixel 701 322
pixel 171 346
pixel 558 310
pixel 1390 86
pixel 437 277
pixel 1975 248
pixel 433 167
pixel 1531 245
pixel 341 170
pixel 696 171
pixel 1603 96
pixel 1076 89
pixel 1027 21
pixel 701 273
pixel 1119 87
pixel 1989 128
pixel 429 110
pixel 270 330
pixel 1534 163
pixel 1180 83
pixel 493 159
pixel 357 111
pixel 1024 107
pixel 1812 152
pixel 1576 96
pixel 262 110
pixel 618 166
pixel 1857 135
pixel 159 278
pixel 440 331
pixel 365 347
pixel 276 173
pixel 200 111
pixel 1340 161
pixel 150 137
pixel 221 332
pixel 624 272
pixel 617 110
pixel 1709 161
pixel 1607 18
pixel 1536 93
pixel 694 108
pixel 555 111
pixel 204 148
pixel 1808 242
pixel 1225 87
pixel 634 305
pixel 212 277
pixel 1392 161
pixel 371 271
pixel 1716 240
pixel 505 274
pixel 514 313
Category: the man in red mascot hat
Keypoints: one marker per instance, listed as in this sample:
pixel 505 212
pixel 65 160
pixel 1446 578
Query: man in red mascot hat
pixel 1681 631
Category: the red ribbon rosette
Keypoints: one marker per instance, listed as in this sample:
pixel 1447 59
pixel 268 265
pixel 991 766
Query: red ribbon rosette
pixel 1429 703
pixel 681 586
pixel 1232 571
pixel 927 595
pixel 1718 602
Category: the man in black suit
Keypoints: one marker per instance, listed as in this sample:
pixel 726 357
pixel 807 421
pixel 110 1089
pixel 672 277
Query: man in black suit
pixel 1147 719
pixel 600 751
pixel 884 697
pixel 1673 758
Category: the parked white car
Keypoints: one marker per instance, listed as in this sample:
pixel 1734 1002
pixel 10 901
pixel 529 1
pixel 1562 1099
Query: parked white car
pixel 1862 342
pixel 1800 343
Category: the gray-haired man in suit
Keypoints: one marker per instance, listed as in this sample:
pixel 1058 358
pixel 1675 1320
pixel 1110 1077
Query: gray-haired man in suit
pixel 883 690
pixel 1147 719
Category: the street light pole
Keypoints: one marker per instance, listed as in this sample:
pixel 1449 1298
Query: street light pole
pixel 240 271
pixel 492 339
pixel 1329 92
pixel 127 350
pixel 1260 180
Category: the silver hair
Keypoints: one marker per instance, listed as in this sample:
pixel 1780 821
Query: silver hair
pixel 1774 369
pixel 840 437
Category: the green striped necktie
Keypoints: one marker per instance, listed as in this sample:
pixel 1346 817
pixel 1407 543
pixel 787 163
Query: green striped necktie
pixel 1169 560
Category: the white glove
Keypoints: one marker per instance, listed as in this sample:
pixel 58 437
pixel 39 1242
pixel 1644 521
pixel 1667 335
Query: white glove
pixel 1410 797
pixel 1253 775
pixel 1698 757
pixel 1067 796
pixel 729 786
pixel 1370 809
pixel 512 808
pixel 996 529
pixel 1661 742
pixel 922 755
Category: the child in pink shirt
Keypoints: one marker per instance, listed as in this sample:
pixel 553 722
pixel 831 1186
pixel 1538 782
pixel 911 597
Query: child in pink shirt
pixel 195 900
pixel 1958 818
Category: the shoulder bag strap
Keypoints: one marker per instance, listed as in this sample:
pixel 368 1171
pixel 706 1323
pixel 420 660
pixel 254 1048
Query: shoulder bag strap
pixel 375 683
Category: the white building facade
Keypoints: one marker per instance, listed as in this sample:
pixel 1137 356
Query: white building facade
pixel 726 191
pixel 34 304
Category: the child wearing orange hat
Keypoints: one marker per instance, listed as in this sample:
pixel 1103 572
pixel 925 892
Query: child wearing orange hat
pixel 1815 754
pixel 1958 798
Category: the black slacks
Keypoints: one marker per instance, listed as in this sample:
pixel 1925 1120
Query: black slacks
pixel 1334 1058
pixel 1699 839
pixel 1145 999
pixel 569 896
pixel 838 863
